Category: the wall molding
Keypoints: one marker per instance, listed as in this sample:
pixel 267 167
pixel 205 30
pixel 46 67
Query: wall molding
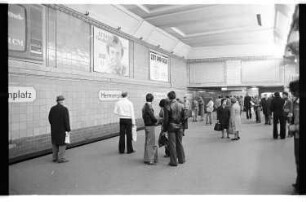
pixel 94 22
pixel 224 59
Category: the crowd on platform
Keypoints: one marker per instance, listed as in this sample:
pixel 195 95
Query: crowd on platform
pixel 173 118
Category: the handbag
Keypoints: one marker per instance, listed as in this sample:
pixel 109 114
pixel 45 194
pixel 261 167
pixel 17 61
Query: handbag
pixel 67 137
pixel 134 133
pixel 162 139
pixel 217 127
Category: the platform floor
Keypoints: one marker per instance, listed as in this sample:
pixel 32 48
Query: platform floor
pixel 256 164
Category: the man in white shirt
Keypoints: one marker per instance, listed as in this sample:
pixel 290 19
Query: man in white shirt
pixel 125 109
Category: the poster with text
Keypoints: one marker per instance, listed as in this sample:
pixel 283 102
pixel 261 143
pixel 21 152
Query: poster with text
pixel 158 67
pixel 111 53
pixel 16 28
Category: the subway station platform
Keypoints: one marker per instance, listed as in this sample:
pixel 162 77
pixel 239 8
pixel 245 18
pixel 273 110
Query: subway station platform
pixel 256 164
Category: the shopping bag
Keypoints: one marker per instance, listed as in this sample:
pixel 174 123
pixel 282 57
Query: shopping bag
pixel 67 138
pixel 134 133
pixel 217 127
pixel 162 140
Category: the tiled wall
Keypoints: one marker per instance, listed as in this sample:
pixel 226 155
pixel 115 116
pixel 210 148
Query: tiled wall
pixel 29 129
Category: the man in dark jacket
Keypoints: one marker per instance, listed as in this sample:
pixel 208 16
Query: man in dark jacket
pixel 175 122
pixel 277 108
pixel 247 106
pixel 59 120
pixel 269 113
pixel 264 108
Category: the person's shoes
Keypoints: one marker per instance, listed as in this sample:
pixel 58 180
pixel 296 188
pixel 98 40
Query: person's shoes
pixel 222 137
pixel 238 138
pixel 282 138
pixel 131 152
pixel 170 164
pixel 54 160
pixel 62 161
pixel 234 139
pixel 182 162
pixel 150 163
pixel 228 137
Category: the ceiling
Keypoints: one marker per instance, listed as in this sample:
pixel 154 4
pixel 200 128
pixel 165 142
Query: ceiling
pixel 208 25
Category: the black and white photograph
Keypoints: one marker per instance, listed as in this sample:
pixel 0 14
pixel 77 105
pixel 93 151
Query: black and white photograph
pixel 154 99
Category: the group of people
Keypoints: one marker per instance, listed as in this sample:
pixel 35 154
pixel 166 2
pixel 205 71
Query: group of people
pixel 228 116
pixel 280 106
pixel 198 108
pixel 173 117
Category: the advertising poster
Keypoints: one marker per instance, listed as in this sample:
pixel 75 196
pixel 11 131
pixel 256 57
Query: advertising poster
pixel 111 53
pixel 16 28
pixel 158 67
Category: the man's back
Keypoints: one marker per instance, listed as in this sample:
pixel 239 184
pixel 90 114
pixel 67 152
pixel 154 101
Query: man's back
pixel 247 101
pixel 176 114
pixel 123 107
pixel 57 114
pixel 277 105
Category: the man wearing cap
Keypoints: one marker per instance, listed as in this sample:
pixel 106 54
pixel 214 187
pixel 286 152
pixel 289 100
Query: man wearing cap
pixel 59 121
pixel 125 110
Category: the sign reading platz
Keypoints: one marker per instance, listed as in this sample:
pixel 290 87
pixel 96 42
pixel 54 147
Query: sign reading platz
pixel 21 94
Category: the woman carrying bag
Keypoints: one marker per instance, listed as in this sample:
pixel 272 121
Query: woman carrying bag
pixel 223 116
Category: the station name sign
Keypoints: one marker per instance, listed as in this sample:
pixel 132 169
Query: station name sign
pixel 106 95
pixel 21 94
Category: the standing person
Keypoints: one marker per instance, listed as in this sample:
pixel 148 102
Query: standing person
pixel 209 110
pixel 125 109
pixel 294 89
pixel 150 149
pixel 223 116
pixel 228 101
pixel 59 121
pixel 257 109
pixel 269 113
pixel 240 101
pixel 201 108
pixel 218 102
pixel 235 119
pixel 247 106
pixel 277 108
pixel 264 107
pixel 163 114
pixel 287 108
pixel 241 104
pixel 195 110
pixel 175 124
pixel 187 106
